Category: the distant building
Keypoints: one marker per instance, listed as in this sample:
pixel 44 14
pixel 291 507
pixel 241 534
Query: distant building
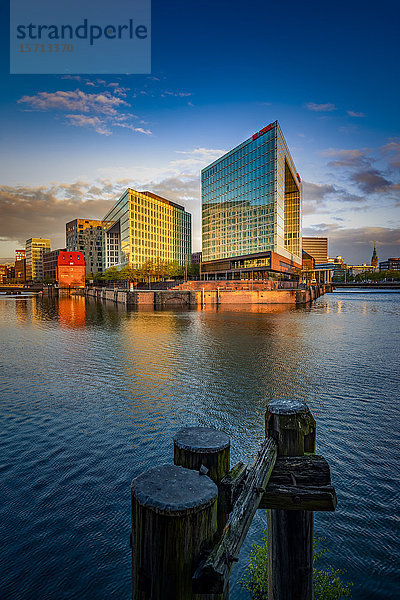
pixel 251 210
pixel 358 269
pixel 142 226
pixel 20 254
pixel 196 258
pixel 3 273
pixel 374 259
pixel 391 264
pixel 20 270
pixel 70 269
pixel 86 236
pixel 317 247
pixel 50 262
pixel 35 248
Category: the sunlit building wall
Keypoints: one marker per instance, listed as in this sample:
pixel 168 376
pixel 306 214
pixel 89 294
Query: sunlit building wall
pixel 86 236
pixel 251 201
pixel 317 247
pixel 35 248
pixel 142 226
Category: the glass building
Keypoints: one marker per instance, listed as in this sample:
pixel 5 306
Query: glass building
pixel 142 226
pixel 251 207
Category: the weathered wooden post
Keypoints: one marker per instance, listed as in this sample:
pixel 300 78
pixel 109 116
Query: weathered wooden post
pixel 174 514
pixel 207 449
pixel 290 532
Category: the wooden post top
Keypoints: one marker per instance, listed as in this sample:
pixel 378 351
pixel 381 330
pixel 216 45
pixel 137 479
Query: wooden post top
pixel 201 439
pixel 291 424
pixel 173 490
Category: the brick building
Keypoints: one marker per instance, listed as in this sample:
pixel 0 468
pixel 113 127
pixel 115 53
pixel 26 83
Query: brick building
pixel 71 269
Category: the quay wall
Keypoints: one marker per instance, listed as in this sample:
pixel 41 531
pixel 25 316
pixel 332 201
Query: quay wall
pixel 206 297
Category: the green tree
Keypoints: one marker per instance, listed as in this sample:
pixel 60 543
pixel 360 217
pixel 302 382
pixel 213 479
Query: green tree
pixel 112 274
pixel 328 584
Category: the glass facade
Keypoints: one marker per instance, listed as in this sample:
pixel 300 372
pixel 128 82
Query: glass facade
pixel 142 226
pixel 251 200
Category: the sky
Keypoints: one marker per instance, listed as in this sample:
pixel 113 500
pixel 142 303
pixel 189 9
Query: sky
pixel 327 71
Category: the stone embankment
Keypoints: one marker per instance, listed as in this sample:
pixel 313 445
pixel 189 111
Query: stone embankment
pixel 211 293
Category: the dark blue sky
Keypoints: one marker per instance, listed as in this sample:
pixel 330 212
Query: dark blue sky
pixel 328 71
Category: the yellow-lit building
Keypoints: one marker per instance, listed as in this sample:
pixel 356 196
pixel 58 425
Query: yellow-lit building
pixel 142 226
pixel 35 248
pixel 86 236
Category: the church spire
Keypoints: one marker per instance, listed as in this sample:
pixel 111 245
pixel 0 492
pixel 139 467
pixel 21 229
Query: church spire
pixel 374 259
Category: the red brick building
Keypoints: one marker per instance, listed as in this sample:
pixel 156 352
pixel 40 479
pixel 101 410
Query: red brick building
pixel 70 269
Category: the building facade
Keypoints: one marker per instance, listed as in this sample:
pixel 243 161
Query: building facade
pixel 391 264
pixel 50 262
pixel 70 269
pixel 86 236
pixel 317 247
pixel 35 248
pixel 251 209
pixel 20 254
pixel 20 270
pixel 142 227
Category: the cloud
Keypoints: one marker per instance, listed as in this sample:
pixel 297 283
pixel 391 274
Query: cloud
pixel 72 101
pixel 84 121
pixel 328 107
pixel 362 169
pixel 100 112
pixel 356 244
pixel 392 151
pixel 372 181
pixel 352 113
pixel 197 158
pixel 319 198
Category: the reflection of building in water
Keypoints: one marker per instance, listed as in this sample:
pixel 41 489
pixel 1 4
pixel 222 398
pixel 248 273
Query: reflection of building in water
pixel 23 307
pixel 72 312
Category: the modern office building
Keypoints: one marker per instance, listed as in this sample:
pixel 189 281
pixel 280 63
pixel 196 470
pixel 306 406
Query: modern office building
pixel 251 210
pixel 86 236
pixel 142 226
pixel 391 264
pixel 50 261
pixel 317 247
pixel 35 248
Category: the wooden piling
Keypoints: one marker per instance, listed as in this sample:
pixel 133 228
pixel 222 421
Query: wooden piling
pixel 174 516
pixel 197 446
pixel 290 532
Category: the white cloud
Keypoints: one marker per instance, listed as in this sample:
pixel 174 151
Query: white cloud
pixel 328 107
pixel 352 113
pixel 104 103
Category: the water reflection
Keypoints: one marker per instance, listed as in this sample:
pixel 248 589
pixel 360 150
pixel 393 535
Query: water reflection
pixel 94 394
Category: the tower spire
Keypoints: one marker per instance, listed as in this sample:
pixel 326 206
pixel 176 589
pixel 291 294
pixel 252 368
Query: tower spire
pixel 374 259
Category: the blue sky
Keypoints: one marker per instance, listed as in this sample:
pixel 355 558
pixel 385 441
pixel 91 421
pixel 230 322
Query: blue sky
pixel 328 71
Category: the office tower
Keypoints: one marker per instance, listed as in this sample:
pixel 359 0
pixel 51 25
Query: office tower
pixel 251 210
pixel 142 226
pixel 317 247
pixel 86 236
pixel 35 248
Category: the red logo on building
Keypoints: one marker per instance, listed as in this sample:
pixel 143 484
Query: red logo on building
pixel 262 131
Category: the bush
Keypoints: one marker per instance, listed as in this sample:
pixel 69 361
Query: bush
pixel 328 584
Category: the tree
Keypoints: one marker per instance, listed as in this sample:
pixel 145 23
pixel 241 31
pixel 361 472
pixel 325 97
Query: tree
pixel 328 584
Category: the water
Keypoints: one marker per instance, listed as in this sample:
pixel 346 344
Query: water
pixel 91 396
